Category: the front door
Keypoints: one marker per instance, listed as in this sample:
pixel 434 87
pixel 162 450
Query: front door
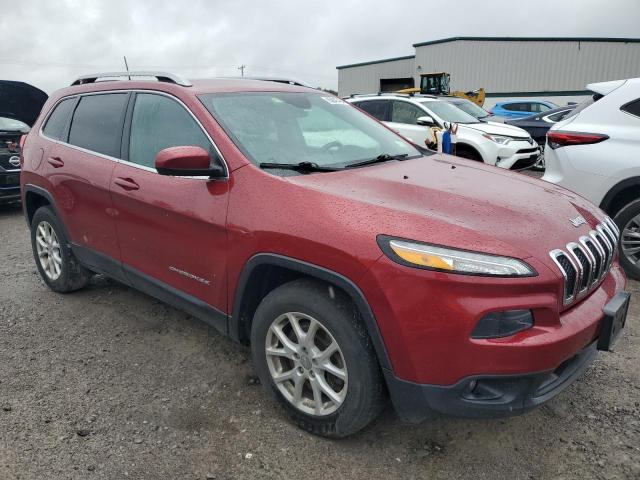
pixel 404 116
pixel 171 230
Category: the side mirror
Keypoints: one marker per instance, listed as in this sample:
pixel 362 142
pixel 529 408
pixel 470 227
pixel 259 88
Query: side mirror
pixel 425 121
pixel 187 162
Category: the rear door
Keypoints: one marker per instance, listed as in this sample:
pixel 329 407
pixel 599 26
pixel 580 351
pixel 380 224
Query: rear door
pixel 79 163
pixel 171 230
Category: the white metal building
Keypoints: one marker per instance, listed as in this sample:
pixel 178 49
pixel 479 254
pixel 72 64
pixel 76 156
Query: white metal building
pixel 556 69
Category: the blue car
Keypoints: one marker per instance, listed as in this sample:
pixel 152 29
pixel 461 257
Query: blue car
pixel 521 108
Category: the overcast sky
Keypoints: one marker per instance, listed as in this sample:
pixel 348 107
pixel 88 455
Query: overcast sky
pixel 48 43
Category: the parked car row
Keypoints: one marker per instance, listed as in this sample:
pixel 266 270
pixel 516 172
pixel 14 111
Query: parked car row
pixel 412 116
pixel 356 264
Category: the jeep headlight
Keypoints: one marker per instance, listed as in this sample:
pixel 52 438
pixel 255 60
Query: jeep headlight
pixel 497 138
pixel 452 260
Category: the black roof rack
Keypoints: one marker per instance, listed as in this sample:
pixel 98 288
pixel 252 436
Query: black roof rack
pixel 115 76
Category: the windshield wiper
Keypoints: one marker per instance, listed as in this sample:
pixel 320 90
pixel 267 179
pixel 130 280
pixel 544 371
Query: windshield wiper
pixel 300 167
pixel 385 157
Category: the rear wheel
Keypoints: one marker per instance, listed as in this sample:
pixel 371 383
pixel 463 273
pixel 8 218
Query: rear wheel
pixel 56 263
pixel 628 220
pixel 313 354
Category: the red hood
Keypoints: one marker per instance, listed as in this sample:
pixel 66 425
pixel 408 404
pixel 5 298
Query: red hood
pixel 450 201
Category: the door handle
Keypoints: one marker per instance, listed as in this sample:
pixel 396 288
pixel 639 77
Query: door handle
pixel 55 162
pixel 126 183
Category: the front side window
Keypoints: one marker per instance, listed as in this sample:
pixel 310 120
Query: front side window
pixel 376 108
pixel 159 122
pixel 97 123
pixel 57 121
pixel 556 117
pixel 288 127
pixel 404 112
pixel 516 107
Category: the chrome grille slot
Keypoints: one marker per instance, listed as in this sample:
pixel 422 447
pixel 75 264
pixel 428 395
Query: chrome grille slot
pixel 569 271
pixel 585 263
pixel 597 254
pixel 606 248
pixel 610 234
pixel 584 279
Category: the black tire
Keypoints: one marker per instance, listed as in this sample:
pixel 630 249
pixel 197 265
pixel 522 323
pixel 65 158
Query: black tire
pixel 622 218
pixel 72 276
pixel 365 394
pixel 468 154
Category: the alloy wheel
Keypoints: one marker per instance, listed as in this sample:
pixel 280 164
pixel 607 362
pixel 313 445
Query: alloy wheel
pixel 630 240
pixel 306 364
pixel 48 249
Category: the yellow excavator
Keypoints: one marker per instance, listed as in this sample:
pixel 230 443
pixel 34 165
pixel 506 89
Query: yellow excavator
pixel 438 84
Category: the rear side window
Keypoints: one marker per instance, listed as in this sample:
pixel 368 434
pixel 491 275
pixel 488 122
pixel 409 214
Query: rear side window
pixel 57 122
pixel 159 122
pixel 632 107
pixel 97 123
pixel 375 108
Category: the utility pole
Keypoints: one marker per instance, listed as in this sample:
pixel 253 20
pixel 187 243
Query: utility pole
pixel 126 65
pixel 241 68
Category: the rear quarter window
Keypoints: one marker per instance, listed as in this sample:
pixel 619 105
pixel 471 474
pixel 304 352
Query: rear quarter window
pixel 632 107
pixel 97 123
pixel 56 125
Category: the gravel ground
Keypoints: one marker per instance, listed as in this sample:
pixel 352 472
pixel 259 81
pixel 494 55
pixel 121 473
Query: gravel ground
pixel 108 383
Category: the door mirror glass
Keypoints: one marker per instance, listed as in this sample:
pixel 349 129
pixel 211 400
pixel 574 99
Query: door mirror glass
pixel 186 161
pixel 425 120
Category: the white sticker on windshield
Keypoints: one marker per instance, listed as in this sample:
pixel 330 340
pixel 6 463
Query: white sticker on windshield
pixel 334 100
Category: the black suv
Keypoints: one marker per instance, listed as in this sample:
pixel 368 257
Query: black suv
pixel 20 104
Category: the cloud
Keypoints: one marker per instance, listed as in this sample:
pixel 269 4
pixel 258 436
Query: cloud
pixel 49 43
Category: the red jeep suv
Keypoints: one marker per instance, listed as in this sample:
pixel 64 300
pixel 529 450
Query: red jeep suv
pixel 356 265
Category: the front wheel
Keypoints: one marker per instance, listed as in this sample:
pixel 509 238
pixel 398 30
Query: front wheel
pixel 313 354
pixel 628 221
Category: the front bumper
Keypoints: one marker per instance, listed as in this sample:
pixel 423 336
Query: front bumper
pixel 518 156
pixel 434 360
pixel 486 396
pixel 9 186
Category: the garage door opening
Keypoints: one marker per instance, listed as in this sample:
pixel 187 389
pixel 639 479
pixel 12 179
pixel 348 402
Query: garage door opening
pixel 393 84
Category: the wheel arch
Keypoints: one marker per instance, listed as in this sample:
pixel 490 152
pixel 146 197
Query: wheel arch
pixel 620 195
pixel 470 148
pixel 265 271
pixel 34 198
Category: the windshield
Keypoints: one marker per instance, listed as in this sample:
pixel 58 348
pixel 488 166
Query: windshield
pixel 11 125
pixel 287 127
pixel 449 113
pixel 471 108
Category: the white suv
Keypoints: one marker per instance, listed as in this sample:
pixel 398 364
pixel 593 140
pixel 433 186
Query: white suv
pixel 411 116
pixel 595 151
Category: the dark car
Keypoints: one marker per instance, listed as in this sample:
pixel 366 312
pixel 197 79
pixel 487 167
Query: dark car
pixel 539 124
pixel 10 132
pixel 20 105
